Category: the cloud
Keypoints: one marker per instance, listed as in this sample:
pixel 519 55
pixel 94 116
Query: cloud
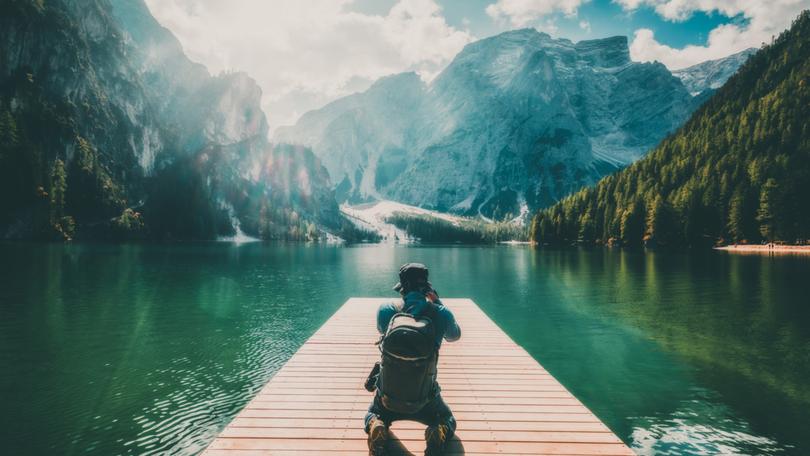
pixel 680 10
pixel 520 13
pixel 306 53
pixel 761 21
pixel 585 25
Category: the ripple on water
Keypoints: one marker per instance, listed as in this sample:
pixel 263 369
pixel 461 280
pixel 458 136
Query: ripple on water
pixel 203 400
pixel 152 349
pixel 699 427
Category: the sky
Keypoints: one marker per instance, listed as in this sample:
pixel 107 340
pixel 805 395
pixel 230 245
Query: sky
pixel 306 53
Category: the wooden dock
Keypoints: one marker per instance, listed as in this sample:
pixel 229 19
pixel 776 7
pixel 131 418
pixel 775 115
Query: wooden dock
pixel 504 401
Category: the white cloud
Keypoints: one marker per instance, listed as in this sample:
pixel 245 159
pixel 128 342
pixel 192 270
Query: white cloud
pixel 585 25
pixel 679 10
pixel 762 20
pixel 306 53
pixel 520 13
pixel 549 26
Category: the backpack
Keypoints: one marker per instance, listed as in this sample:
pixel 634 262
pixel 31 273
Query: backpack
pixel 406 382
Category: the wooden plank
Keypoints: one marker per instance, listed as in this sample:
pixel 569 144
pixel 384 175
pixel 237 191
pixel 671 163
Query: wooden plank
pixel 465 435
pixel 480 416
pixel 317 395
pixel 504 401
pixel 316 423
pixel 359 446
pixel 298 398
pixel 239 452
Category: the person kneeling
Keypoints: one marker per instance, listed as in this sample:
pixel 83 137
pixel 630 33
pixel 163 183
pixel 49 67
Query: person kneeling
pixel 405 379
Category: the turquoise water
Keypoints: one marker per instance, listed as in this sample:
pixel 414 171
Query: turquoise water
pixel 151 349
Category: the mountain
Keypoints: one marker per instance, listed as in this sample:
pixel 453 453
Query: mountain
pixel 198 108
pixel 371 130
pixel 712 74
pixel 107 129
pixel 515 122
pixel 738 170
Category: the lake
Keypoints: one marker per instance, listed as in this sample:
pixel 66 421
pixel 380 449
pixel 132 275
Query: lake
pixel 151 349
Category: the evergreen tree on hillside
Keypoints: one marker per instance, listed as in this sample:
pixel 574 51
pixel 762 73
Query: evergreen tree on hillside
pixel 430 229
pixel 738 170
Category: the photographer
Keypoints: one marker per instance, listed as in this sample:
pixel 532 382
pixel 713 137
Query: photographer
pixel 405 380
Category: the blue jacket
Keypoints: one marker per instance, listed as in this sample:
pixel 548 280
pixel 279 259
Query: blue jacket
pixel 414 303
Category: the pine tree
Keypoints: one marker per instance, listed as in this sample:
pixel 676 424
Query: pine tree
pixel 57 191
pixel 632 225
pixel 8 131
pixel 736 221
pixel 534 230
pixel 739 168
pixel 767 209
pixel 660 223
pixel 586 227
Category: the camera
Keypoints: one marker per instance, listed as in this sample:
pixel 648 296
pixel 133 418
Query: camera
pixel 371 380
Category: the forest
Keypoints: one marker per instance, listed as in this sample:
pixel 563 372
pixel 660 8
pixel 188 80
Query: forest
pixel 737 172
pixel 430 229
pixel 76 162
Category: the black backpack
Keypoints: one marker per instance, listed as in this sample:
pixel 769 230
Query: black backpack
pixel 407 376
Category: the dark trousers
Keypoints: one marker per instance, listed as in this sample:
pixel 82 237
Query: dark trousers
pixel 434 413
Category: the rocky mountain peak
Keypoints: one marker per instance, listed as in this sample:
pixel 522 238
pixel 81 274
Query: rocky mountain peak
pixel 516 120
pixel 121 123
pixel 712 74
pixel 409 78
pixel 160 50
pixel 237 115
pixel 606 52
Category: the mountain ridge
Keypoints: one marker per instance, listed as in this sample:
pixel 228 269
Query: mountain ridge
pixel 515 120
pixel 107 130
pixel 712 74
pixel 737 171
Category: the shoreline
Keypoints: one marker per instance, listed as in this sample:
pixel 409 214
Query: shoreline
pixel 765 249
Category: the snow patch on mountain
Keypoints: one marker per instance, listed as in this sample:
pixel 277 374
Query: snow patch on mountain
pixel 372 217
pixel 514 123
pixel 464 205
pixel 712 74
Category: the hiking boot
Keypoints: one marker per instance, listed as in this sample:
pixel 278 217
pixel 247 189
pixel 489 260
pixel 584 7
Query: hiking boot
pixel 377 437
pixel 436 439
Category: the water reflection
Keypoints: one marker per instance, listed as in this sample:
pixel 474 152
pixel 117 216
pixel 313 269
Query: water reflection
pixel 150 349
pixel 735 330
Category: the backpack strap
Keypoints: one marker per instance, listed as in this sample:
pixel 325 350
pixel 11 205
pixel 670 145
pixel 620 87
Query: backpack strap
pixel 430 311
pixel 398 308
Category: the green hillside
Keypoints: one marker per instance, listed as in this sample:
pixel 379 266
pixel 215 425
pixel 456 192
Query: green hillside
pixel 738 170
pixel 103 137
